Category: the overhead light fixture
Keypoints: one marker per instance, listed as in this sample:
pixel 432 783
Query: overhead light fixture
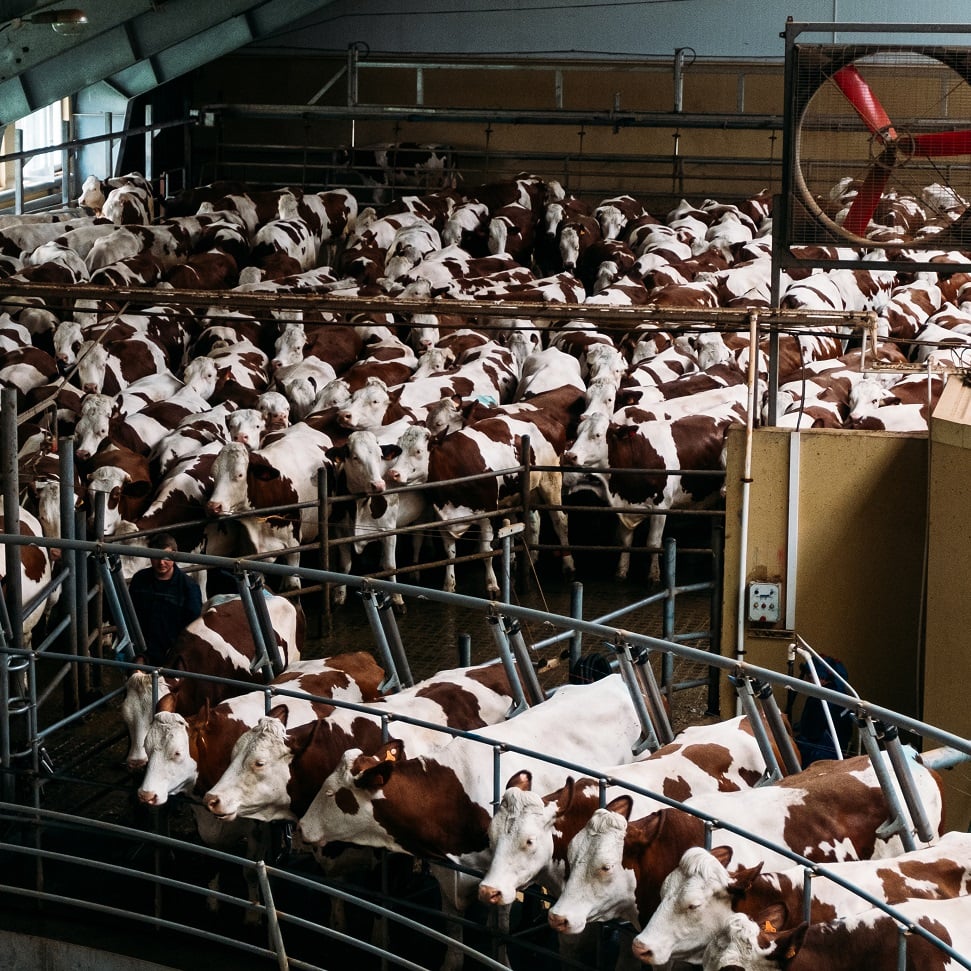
pixel 62 21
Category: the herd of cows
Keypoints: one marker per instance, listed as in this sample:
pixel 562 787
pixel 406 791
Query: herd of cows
pixel 184 416
pixel 328 769
pixel 180 413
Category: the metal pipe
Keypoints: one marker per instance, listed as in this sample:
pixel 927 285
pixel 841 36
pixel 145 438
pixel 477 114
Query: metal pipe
pixel 648 737
pixel 783 740
pixel 576 610
pixel 524 663
pixel 390 626
pixel 897 821
pixel 746 699
pixel 652 694
pixel 391 681
pixel 714 637
pixel 901 768
pixel 753 319
pixel 464 650
pixel 11 515
pixel 827 714
pixel 69 561
pixel 508 662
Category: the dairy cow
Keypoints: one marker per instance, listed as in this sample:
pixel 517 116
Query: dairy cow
pixel 220 644
pixel 652 464
pixel 831 811
pixel 439 805
pixel 530 832
pixel 700 896
pixel 282 472
pixel 188 753
pixel 871 940
pixel 491 443
pixel 278 765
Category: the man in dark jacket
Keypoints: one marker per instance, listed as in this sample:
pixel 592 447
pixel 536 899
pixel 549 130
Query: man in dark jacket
pixel 165 600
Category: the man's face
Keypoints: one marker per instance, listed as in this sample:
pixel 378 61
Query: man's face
pixel 163 567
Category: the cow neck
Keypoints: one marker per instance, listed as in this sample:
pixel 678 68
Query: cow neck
pixel 426 811
pixel 653 847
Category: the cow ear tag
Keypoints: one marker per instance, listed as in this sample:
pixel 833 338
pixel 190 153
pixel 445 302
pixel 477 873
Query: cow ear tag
pixel 790 954
pixel 770 929
pixel 390 757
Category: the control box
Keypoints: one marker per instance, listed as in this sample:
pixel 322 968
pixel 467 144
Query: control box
pixel 763 602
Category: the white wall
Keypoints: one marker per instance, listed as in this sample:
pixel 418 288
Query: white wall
pixel 648 28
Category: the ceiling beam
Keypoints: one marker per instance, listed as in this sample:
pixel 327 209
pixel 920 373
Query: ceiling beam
pixel 139 52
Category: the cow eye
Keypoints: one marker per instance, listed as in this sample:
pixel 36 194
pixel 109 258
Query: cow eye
pixel 259 763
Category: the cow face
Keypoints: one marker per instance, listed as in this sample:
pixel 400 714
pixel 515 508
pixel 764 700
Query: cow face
pixel 367 407
pixel 254 784
pixel 342 810
pixel 171 767
pixel 229 471
pixel 411 463
pixel 696 903
pixel 521 839
pixel 599 887
pixel 136 713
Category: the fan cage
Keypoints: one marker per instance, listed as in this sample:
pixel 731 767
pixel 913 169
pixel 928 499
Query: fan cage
pixel 924 89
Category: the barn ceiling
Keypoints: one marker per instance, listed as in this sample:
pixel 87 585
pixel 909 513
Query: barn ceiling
pixel 131 45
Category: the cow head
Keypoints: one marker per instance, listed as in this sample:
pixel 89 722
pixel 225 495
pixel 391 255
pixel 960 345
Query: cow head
pixel 342 809
pixel 599 887
pixel 521 840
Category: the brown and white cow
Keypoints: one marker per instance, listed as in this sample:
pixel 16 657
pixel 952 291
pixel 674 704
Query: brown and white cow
pixel 834 810
pixel 219 644
pixel 112 366
pixel 700 896
pixel 183 759
pixel 493 443
pixel 648 459
pixel 439 805
pixel 530 832
pixel 278 765
pixel 364 463
pixel 36 569
pixel 189 753
pixel 282 472
pixel 871 940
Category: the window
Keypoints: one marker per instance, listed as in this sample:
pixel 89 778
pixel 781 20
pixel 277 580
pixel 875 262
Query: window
pixel 42 128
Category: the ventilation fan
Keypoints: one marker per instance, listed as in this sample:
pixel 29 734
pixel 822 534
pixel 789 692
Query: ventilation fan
pixel 880 145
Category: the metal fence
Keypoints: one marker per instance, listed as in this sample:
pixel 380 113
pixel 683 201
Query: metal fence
pixel 141 873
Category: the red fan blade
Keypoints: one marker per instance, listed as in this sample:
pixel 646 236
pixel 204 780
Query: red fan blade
pixel 869 195
pixel 938 144
pixel 864 101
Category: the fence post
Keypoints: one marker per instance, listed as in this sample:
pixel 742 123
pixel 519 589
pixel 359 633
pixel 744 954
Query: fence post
pixel 576 612
pixel 69 563
pixel 531 537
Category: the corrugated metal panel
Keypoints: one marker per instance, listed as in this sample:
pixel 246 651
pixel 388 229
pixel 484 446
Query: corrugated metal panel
pixel 135 46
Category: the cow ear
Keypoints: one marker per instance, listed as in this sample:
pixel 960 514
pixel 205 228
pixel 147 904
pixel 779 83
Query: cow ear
pixel 743 878
pixel 621 805
pixel 167 702
pixel 337 453
pixel 723 854
pixel 376 776
pixel 521 780
pixel 390 451
pixel 787 944
pixel 770 920
pixel 280 712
